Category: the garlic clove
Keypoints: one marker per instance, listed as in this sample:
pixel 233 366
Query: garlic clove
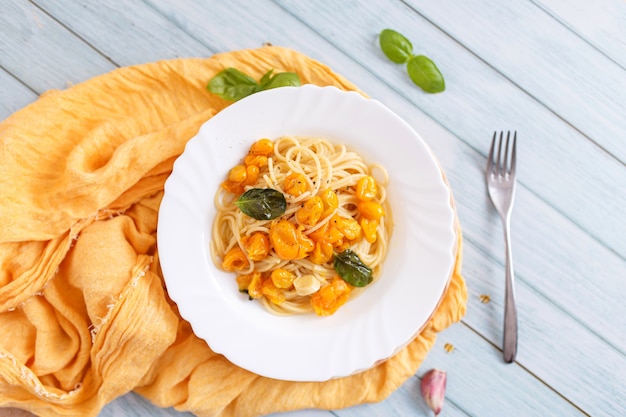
pixel 306 284
pixel 433 388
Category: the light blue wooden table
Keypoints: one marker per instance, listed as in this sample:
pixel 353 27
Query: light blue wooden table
pixel 554 70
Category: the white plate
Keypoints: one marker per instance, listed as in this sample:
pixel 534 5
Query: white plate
pixel 370 328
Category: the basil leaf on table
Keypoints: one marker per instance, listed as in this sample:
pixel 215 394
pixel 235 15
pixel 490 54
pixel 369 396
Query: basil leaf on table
pixel 351 269
pixel 395 46
pixel 282 79
pixel 232 84
pixel 425 74
pixel 262 203
pixel 266 77
pixel 421 69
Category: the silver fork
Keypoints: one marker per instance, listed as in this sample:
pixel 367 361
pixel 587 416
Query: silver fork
pixel 501 186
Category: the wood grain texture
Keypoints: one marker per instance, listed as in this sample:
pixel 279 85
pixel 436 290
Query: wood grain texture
pixel 18 94
pixel 558 349
pixel 547 60
pixel 126 32
pixel 47 55
pixel 554 276
pixel 601 23
pixel 553 70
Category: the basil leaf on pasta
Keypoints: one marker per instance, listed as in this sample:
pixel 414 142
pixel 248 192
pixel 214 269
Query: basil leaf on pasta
pixel 262 203
pixel 351 269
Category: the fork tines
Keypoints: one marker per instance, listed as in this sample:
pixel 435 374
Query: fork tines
pixel 496 165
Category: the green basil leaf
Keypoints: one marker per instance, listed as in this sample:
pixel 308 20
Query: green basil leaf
pixel 351 269
pixel 283 79
pixel 395 46
pixel 265 78
pixel 262 203
pixel 425 74
pixel 232 84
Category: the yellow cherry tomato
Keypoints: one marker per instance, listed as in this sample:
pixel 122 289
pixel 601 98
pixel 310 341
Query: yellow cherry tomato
pixel 330 297
pixel 306 245
pixel 282 278
pixel 326 233
pixel 257 246
pixel 255 288
pixel 252 175
pixel 371 210
pixel 233 187
pixel 288 241
pixel 238 173
pixel 310 212
pixel 243 282
pixel 256 160
pixel 235 260
pixel 330 200
pixel 342 244
pixel 348 226
pixel 369 229
pixel 322 253
pixel 284 239
pixel 295 184
pixel 366 188
pixel 272 293
pixel 262 147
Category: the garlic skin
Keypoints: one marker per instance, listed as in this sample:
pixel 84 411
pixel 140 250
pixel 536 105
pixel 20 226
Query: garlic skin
pixel 433 387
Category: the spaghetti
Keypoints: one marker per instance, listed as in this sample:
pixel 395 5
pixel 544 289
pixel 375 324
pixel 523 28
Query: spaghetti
pixel 336 218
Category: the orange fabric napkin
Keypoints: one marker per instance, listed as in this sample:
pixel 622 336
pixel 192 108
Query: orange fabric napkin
pixel 84 315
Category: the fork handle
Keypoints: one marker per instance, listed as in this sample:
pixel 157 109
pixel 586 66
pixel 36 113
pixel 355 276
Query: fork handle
pixel 510 311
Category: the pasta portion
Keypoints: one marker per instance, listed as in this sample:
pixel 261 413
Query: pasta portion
pixel 303 223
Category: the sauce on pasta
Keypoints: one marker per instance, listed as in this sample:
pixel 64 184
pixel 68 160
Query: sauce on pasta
pixel 333 232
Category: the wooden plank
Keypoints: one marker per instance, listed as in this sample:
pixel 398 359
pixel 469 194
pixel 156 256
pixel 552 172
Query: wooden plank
pixel 546 245
pixel 405 401
pixel 486 386
pixel 550 151
pixel 602 24
pixel 560 351
pixel 570 305
pixel 127 32
pixel 218 25
pixel 548 61
pixel 48 56
pixel 134 405
pixel 16 95
pixel 261 27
